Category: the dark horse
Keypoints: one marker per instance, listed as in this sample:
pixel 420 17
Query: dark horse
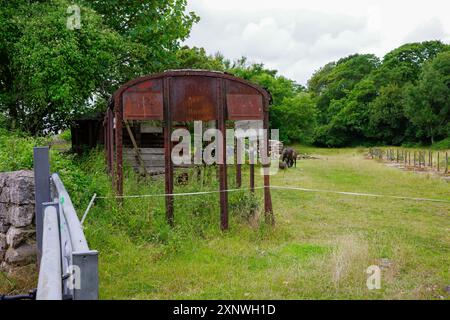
pixel 289 156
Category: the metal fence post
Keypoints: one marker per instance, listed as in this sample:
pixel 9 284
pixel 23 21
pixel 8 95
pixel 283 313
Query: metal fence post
pixel 42 190
pixel 87 263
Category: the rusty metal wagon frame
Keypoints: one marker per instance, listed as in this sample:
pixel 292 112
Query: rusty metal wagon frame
pixel 187 95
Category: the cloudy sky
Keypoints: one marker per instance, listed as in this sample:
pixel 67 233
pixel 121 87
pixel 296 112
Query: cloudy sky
pixel 297 37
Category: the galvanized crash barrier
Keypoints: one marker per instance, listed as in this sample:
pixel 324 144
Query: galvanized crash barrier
pixel 68 269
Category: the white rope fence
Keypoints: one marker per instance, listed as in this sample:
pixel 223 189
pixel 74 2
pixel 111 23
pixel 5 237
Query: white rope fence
pixel 184 194
pixel 279 188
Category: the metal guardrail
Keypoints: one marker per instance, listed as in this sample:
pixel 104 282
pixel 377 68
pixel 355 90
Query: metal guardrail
pixel 68 268
pixel 50 281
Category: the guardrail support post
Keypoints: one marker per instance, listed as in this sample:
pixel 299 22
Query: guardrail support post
pixel 87 263
pixel 42 190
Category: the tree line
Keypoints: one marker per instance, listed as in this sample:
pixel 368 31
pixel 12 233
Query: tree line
pixel 50 75
pixel 403 98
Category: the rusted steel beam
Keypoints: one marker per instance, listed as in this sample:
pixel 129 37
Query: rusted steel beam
pixel 252 161
pixel 221 154
pixel 252 177
pixel 238 166
pixel 268 210
pixel 111 145
pixel 105 139
pixel 119 145
pixel 238 175
pixel 168 165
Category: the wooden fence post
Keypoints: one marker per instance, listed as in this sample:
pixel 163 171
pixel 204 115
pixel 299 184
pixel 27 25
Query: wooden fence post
pixel 446 162
pixel 438 162
pixel 431 159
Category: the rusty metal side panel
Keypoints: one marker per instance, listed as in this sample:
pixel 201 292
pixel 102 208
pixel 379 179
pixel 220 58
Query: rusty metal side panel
pixel 144 101
pixel 243 102
pixel 244 107
pixel 193 98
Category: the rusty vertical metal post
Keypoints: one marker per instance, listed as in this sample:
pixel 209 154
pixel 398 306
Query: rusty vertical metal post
pixel 238 166
pixel 268 211
pixel 168 165
pixel 238 175
pixel 105 139
pixel 119 144
pixel 107 145
pixel 252 175
pixel 111 146
pixel 221 155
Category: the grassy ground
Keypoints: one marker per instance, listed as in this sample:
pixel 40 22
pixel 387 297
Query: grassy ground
pixel 319 249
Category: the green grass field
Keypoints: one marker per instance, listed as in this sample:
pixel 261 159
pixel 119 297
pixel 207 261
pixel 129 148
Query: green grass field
pixel 319 249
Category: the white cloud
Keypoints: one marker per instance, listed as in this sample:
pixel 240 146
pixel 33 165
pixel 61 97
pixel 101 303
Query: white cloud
pixel 298 37
pixel 431 29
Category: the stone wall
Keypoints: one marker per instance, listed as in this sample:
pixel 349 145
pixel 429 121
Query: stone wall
pixel 17 225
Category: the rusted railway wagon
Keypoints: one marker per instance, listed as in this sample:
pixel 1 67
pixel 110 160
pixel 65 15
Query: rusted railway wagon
pixel 185 96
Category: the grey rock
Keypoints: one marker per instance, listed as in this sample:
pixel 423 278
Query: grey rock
pixel 4 224
pixel 3 246
pixel 21 187
pixel 3 177
pixel 3 210
pixel 16 236
pixel 21 256
pixel 4 194
pixel 21 216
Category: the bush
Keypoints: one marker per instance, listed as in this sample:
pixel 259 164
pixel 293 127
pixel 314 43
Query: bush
pixel 66 135
pixel 442 145
pixel 16 150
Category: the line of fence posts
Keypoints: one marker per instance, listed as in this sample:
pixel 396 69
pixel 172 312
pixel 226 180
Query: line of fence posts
pixel 419 158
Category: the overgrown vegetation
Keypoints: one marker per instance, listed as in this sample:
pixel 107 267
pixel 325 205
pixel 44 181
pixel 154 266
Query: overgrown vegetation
pixel 320 247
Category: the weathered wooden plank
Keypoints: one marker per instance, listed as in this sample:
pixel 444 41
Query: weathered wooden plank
pixel 146 150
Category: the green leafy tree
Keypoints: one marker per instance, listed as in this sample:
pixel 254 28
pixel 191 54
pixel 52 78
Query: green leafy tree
pixel 427 104
pixel 295 118
pixel 50 74
pixel 388 123
pixel 331 87
pixel 196 58
pixel 404 64
pixel 293 111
